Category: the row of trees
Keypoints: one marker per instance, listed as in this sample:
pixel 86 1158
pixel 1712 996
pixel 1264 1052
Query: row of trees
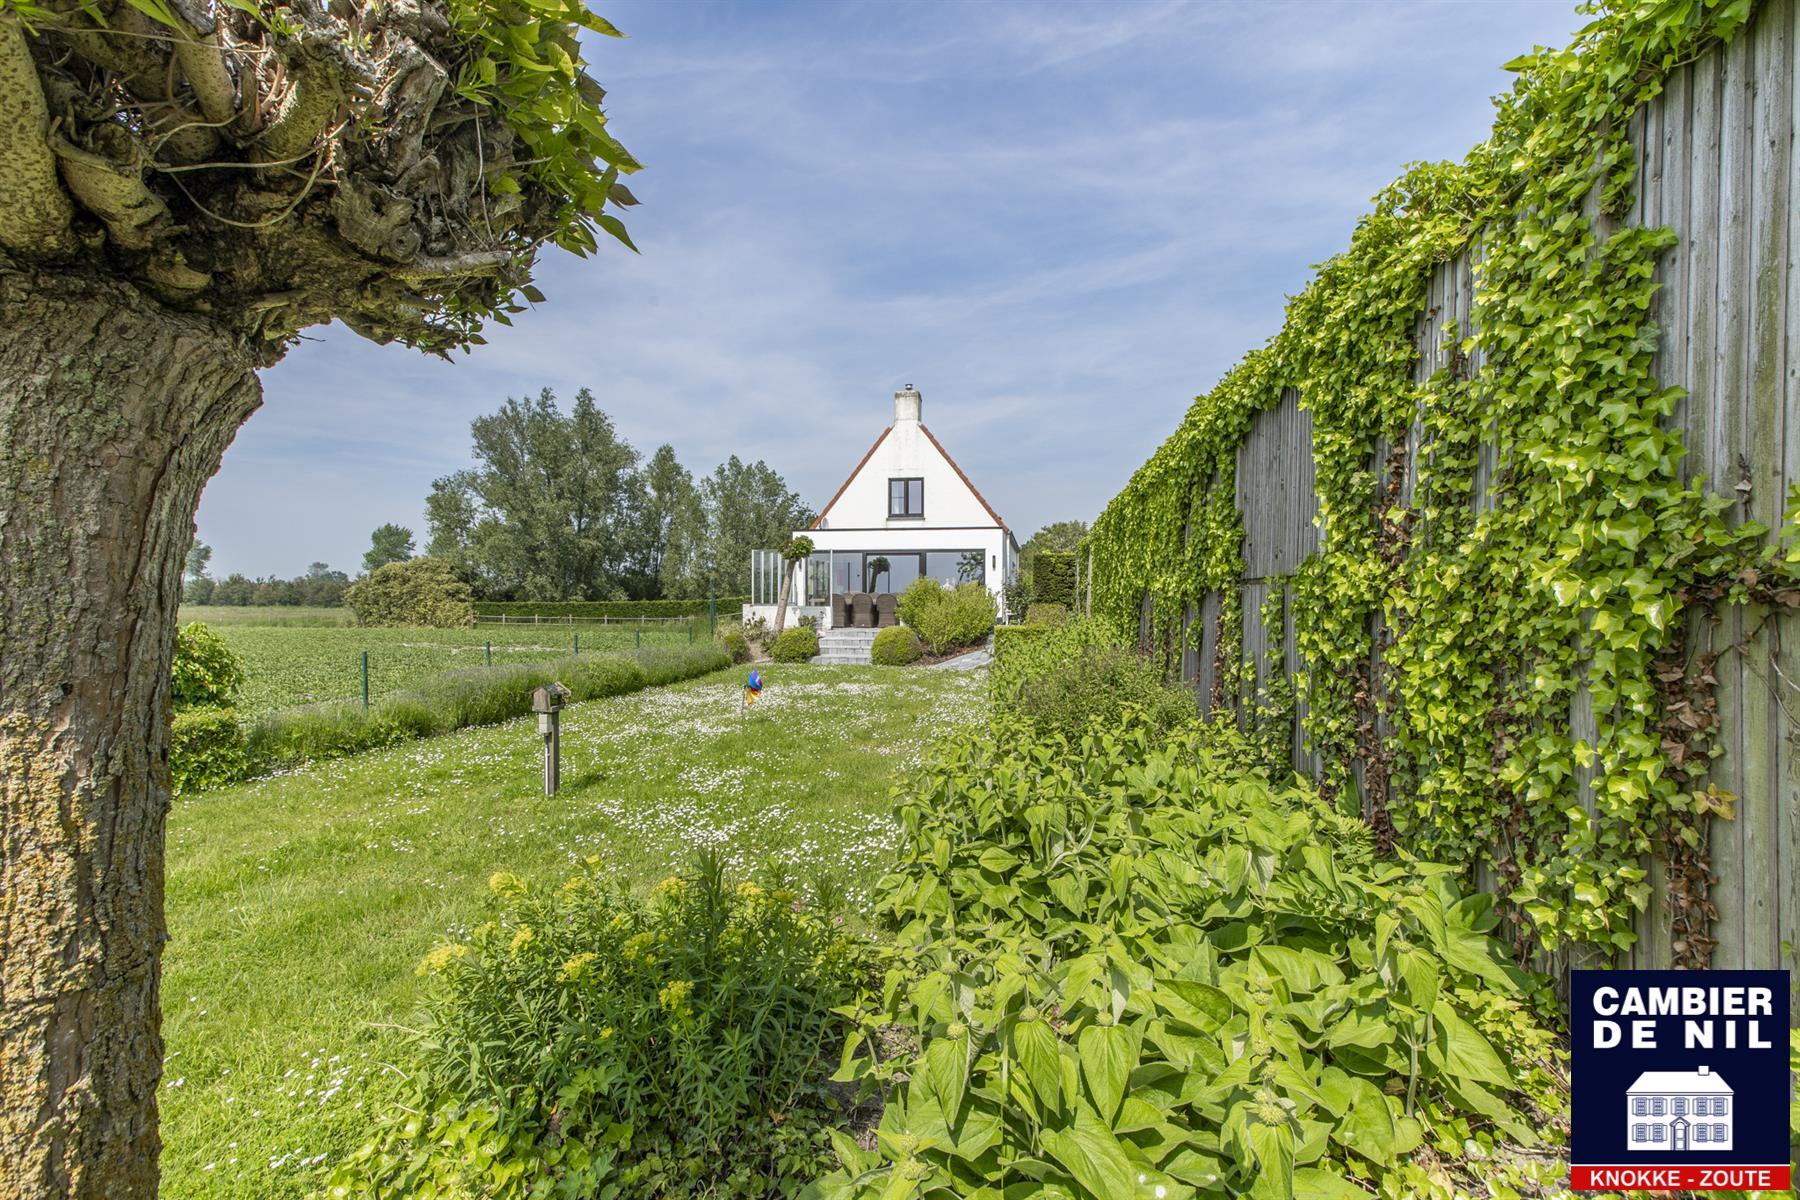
pixel 320 586
pixel 558 506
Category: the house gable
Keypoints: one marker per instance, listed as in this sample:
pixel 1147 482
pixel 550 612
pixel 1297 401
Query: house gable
pixel 908 450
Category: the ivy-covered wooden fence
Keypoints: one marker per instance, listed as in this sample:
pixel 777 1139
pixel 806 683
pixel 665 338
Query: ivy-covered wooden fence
pixel 1708 154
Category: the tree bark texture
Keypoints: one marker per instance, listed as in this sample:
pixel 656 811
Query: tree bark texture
pixel 114 412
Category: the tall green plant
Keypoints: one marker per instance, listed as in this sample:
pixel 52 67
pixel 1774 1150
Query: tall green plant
pixel 1142 970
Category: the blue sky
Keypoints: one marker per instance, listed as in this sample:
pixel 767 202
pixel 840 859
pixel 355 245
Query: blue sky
pixel 1059 221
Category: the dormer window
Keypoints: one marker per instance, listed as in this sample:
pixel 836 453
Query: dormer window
pixel 906 498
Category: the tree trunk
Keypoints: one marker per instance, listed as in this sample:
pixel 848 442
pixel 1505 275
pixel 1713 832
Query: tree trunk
pixel 787 580
pixel 114 413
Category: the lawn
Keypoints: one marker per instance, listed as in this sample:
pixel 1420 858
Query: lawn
pixel 299 905
pixel 300 664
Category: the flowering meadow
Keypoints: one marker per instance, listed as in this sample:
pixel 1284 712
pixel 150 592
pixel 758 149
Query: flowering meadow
pixel 301 905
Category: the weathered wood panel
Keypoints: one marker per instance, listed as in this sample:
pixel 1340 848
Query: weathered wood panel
pixel 1275 490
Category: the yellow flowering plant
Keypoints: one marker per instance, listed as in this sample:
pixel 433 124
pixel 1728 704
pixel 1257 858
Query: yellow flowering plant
pixel 591 1040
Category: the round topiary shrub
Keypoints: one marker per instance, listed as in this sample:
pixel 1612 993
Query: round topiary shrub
pixel 798 644
pixel 1055 615
pixel 896 646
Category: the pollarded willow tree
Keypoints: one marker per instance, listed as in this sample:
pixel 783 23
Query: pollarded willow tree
pixel 184 187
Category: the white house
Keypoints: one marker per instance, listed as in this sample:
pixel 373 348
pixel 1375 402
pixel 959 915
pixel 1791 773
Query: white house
pixel 906 510
pixel 1679 1110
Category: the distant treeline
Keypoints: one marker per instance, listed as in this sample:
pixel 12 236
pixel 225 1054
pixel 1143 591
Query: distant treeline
pixel 320 587
pixel 591 609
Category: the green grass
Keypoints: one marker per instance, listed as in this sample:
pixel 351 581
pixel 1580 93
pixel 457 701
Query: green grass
pixel 286 665
pixel 299 905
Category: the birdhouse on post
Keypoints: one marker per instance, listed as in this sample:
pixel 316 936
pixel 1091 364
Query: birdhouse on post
pixel 547 702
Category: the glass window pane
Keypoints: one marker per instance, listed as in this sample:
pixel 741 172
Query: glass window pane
pixel 951 567
pixel 846 573
pixel 915 497
pixel 905 569
pixel 818 578
pixel 876 573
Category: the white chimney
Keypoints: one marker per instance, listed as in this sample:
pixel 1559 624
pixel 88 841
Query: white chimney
pixel 906 406
pixel 1705 1070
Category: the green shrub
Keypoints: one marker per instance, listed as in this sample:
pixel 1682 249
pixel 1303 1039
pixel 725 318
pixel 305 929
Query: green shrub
pixel 798 644
pixel 1144 971
pixel 1044 613
pixel 1010 642
pixel 920 597
pixel 590 1042
pixel 948 618
pixel 737 645
pixel 1053 577
pixel 896 646
pixel 1103 686
pixel 419 591
pixel 1067 679
pixel 206 673
pixel 206 750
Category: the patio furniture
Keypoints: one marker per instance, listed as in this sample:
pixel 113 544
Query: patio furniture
pixel 862 610
pixel 885 606
pixel 840 610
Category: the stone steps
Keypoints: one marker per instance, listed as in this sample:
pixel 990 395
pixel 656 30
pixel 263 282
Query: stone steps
pixel 845 647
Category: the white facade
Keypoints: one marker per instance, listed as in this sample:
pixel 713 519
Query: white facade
pixel 906 509
pixel 1679 1110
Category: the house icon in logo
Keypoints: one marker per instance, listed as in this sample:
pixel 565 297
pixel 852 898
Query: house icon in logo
pixel 1679 1110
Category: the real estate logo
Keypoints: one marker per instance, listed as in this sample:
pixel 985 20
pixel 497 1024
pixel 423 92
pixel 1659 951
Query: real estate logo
pixel 1680 1080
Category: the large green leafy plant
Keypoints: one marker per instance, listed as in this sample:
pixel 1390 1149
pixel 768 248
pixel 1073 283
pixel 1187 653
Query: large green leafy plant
pixel 1143 970
pixel 590 1042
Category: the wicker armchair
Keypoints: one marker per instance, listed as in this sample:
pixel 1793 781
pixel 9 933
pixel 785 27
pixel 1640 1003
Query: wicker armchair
pixel 886 606
pixel 862 610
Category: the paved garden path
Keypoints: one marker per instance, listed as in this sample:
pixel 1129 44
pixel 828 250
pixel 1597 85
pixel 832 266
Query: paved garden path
pixel 967 662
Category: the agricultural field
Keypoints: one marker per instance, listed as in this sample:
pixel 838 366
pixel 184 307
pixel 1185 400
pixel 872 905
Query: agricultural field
pixel 265 614
pixel 287 665
pixel 299 905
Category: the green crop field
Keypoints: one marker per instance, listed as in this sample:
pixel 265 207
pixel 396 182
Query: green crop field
pixel 264 614
pixel 299 905
pixel 287 665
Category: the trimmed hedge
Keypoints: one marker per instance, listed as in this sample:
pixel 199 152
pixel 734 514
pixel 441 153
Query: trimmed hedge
pixel 1011 641
pixel 206 750
pixel 198 757
pixel 896 646
pixel 1043 613
pixel 605 608
pixel 1053 577
pixel 799 644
